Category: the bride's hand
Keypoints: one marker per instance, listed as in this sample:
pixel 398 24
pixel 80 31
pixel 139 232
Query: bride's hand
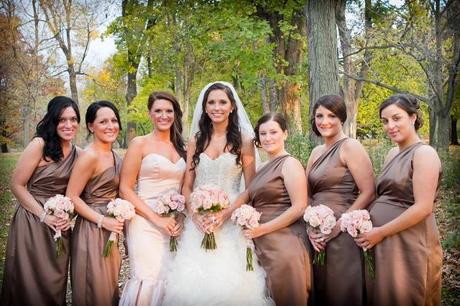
pixel 179 225
pixel 199 221
pixel 166 225
pixel 215 220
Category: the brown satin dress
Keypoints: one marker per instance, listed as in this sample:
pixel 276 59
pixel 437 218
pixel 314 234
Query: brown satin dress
pixel 94 277
pixel 283 253
pixel 33 274
pixel 408 264
pixel 340 281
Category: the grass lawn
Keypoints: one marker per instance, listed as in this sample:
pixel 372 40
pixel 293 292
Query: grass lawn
pixel 447 213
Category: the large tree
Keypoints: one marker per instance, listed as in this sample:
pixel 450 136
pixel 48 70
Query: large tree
pixel 72 25
pixel 322 51
pixel 420 30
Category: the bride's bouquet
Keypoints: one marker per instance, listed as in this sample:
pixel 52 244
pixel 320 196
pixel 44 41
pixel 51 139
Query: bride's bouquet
pixel 61 207
pixel 121 210
pixel 170 203
pixel 320 219
pixel 208 198
pixel 247 217
pixel 358 222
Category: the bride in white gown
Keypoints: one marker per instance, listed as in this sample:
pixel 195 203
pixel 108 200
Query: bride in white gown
pixel 156 161
pixel 221 153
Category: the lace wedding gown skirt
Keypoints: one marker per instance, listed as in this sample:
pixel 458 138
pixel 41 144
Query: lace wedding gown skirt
pixel 215 277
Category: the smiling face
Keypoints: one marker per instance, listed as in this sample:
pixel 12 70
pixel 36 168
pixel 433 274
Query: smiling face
pixel 272 137
pixel 68 124
pixel 398 124
pixel 327 123
pixel 162 114
pixel 218 106
pixel 106 126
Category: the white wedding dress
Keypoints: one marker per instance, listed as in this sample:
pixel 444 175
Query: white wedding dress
pixel 148 247
pixel 215 277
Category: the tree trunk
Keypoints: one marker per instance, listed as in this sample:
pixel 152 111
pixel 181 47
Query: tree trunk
pixel 453 131
pixel 352 89
pixel 439 129
pixel 131 93
pixel 290 92
pixel 263 95
pixel 322 51
pixel 73 83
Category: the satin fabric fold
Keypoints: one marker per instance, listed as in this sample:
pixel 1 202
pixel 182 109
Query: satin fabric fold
pixel 94 277
pixel 33 274
pixel 282 253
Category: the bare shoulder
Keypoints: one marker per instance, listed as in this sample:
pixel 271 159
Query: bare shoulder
pixel 352 145
pixel 246 139
pixel 317 151
pixel 88 156
pixel 292 163
pixel 426 154
pixel 138 141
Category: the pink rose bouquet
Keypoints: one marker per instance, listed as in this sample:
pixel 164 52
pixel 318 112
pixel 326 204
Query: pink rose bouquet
pixel 247 217
pixel 205 199
pixel 121 210
pixel 320 219
pixel 61 207
pixel 358 222
pixel 170 203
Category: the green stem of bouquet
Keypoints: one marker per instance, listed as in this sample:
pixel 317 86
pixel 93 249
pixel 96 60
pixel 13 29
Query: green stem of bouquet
pixel 209 242
pixel 369 259
pixel 107 248
pixel 249 266
pixel 320 258
pixel 59 246
pixel 173 244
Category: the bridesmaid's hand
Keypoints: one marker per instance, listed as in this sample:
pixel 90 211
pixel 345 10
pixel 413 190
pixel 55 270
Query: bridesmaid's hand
pixel 112 225
pixel 254 233
pixel 177 230
pixel 54 222
pixel 166 225
pixel 316 240
pixel 200 221
pixel 370 239
pixel 334 233
pixel 64 224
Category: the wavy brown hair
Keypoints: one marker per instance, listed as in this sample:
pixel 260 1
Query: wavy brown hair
pixel 203 136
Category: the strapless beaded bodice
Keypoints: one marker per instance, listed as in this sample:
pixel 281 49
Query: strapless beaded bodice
pixel 222 171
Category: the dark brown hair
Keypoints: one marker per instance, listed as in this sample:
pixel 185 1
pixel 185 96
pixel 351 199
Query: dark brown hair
pixel 203 136
pixel 333 103
pixel 176 129
pixel 277 117
pixel 406 102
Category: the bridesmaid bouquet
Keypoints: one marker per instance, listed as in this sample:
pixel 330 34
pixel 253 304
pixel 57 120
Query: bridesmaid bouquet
pixel 61 207
pixel 121 210
pixel 170 203
pixel 207 199
pixel 247 217
pixel 320 219
pixel 358 222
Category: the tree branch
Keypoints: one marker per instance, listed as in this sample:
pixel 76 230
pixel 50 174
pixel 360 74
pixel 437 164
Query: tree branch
pixel 389 87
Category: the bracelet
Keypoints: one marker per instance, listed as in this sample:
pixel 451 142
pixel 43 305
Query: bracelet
pixel 42 216
pixel 99 221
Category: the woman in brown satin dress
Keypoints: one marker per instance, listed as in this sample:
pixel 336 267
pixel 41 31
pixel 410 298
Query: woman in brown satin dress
pixel 93 183
pixel 279 192
pixel 34 274
pixel 340 176
pixel 408 255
